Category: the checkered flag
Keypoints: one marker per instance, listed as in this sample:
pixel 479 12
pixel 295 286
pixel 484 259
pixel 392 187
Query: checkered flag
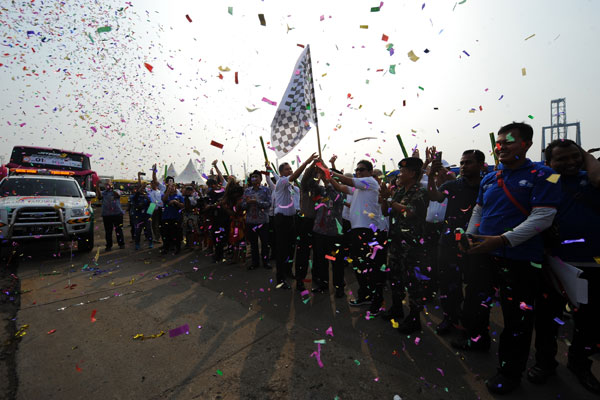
pixel 297 108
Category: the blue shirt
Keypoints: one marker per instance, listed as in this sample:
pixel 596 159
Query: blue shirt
pixel 111 205
pixel 284 201
pixel 528 185
pixel 256 213
pixel 578 218
pixel 172 212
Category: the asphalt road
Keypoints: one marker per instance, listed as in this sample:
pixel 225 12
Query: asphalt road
pixel 246 339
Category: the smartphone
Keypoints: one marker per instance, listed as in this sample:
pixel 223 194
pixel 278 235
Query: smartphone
pixel 438 155
pixel 464 238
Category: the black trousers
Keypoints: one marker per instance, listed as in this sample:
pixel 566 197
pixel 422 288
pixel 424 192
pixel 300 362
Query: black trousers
pixel 367 268
pixel 272 237
pixel 172 234
pixel 450 271
pixel 286 239
pixel 519 284
pixel 142 222
pixel 254 232
pixel 586 331
pixel 586 335
pixel 326 246
pixel 304 245
pixel 113 222
pixel 479 279
pixel 430 261
pixel 406 274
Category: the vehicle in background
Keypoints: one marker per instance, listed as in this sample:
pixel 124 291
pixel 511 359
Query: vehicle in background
pixel 54 162
pixel 44 206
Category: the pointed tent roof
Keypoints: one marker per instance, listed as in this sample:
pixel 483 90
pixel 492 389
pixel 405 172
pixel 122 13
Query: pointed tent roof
pixel 189 174
pixel 171 171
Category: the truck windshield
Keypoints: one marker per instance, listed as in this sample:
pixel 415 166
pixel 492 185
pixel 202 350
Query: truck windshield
pixel 39 187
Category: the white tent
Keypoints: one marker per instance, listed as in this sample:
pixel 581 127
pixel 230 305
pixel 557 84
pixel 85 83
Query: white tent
pixel 171 171
pixel 189 174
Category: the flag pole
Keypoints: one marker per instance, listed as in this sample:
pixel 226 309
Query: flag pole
pixel 314 105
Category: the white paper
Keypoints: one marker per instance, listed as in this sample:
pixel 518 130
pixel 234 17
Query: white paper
pixel 568 277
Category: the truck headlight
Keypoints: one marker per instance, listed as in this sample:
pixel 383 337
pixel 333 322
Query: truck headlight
pixel 77 212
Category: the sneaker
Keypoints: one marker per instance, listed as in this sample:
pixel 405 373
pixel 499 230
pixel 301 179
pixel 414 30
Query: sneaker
pixel 375 308
pixel 586 378
pixel 339 292
pixel 283 285
pixel 394 313
pixel 478 343
pixel 410 324
pixel 322 288
pixel 501 384
pixel 359 302
pixel 539 375
pixel 445 327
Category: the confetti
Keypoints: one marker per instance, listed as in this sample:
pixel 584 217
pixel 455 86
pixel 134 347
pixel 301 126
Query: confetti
pixel 219 372
pixel 559 321
pixel 22 331
pixel 188 18
pixel 149 67
pixel 329 331
pixel 261 18
pixel 467 54
pixel 104 29
pixel 529 37
pixel 384 38
pixel 180 331
pixel 553 178
pixel 216 144
pixel 364 27
pixel 273 103
pixel 140 336
pixel 393 69
pixel 230 10
pixel 530 116
pixel 413 57
pixel 523 71
pixel 536 265
pixel 93 316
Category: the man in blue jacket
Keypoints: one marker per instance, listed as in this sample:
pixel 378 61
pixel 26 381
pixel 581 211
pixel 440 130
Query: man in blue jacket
pixel 514 205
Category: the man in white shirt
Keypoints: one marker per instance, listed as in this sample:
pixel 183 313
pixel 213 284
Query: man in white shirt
pixel 365 217
pixel 284 220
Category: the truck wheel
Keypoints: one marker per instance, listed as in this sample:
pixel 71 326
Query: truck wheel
pixel 85 243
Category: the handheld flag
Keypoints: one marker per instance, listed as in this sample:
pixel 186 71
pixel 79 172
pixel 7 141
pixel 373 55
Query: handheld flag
pixel 297 108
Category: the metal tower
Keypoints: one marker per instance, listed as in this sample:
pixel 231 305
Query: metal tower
pixel 559 127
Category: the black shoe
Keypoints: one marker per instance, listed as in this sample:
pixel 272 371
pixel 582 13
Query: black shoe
pixel 374 308
pixel 121 246
pixel 339 292
pixel 445 327
pixel 586 378
pixel 539 375
pixel 164 251
pixel 359 302
pixel 108 248
pixel 482 343
pixel 300 286
pixel 283 285
pixel 322 288
pixel 177 251
pixel 394 313
pixel 251 267
pixel 410 324
pixel 266 266
pixel 501 384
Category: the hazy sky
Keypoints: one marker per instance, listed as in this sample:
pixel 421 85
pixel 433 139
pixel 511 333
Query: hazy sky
pixel 66 85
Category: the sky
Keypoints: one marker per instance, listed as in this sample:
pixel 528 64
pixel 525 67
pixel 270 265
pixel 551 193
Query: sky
pixel 482 64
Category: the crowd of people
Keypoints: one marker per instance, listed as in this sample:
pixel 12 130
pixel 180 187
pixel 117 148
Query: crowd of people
pixel 468 241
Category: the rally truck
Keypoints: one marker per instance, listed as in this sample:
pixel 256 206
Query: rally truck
pixel 35 206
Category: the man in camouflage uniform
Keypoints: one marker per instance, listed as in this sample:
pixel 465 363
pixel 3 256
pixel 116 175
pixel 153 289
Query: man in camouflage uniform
pixel 407 209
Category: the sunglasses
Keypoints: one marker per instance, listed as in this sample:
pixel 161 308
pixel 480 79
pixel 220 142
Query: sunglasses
pixel 360 169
